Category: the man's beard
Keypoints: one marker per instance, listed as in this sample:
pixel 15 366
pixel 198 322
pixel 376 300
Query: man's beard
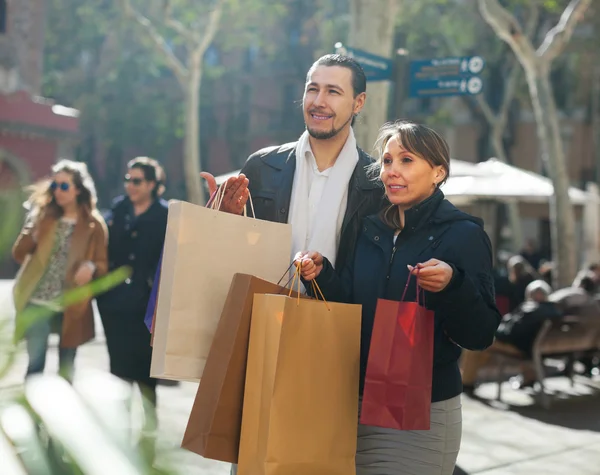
pixel 328 134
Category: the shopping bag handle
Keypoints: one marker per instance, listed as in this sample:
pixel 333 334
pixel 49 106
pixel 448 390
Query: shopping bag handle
pixel 287 271
pixel 420 290
pixel 296 279
pixel 216 200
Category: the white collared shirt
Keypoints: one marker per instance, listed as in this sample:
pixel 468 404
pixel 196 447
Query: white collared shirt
pixel 317 181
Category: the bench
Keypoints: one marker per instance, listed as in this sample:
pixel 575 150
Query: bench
pixel 571 338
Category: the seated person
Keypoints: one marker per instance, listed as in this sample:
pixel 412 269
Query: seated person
pixel 521 327
pixel 582 300
pixel 516 334
pixel 577 300
pixel 589 279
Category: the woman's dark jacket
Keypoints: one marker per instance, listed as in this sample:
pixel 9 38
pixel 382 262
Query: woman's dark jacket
pixel 465 311
pixel 137 242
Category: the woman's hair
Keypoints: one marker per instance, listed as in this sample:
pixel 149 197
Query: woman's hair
pixel 417 139
pixel 152 171
pixel 42 201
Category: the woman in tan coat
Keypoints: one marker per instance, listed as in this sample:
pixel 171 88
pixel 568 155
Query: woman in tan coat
pixel 62 245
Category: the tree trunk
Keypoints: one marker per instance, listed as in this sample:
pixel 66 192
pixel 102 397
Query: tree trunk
pixel 514 216
pixel 372 30
pixel 191 158
pixel 553 155
pixel 596 121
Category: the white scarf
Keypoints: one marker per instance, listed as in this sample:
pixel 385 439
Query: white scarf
pixel 325 235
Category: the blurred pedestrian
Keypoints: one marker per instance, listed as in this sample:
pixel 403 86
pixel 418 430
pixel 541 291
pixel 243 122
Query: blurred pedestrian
pixel 62 246
pixel 520 275
pixel 137 223
pixel 531 253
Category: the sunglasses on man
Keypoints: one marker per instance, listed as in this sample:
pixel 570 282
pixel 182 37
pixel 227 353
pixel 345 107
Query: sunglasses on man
pixel 64 186
pixel 135 181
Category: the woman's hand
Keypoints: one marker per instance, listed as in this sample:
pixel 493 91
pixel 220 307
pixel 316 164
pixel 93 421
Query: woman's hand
pixel 84 274
pixel 311 264
pixel 433 275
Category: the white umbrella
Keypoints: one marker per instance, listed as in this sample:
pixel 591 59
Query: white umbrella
pixel 499 181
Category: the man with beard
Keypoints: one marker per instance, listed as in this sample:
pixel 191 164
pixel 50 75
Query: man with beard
pixel 319 184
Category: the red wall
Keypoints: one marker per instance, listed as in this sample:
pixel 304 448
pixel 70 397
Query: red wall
pixel 39 154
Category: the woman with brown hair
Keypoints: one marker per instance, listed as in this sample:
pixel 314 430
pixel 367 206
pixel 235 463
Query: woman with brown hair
pixel 63 245
pixel 448 252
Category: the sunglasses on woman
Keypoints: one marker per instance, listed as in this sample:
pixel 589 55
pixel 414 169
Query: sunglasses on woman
pixel 64 186
pixel 135 181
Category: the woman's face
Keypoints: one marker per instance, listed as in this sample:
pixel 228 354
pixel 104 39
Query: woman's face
pixel 408 178
pixel 64 190
pixel 138 189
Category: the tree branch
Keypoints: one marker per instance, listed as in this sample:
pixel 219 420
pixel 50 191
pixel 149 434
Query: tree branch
pixel 514 76
pixel 158 41
pixel 557 38
pixel 188 34
pixel 508 29
pixel 486 109
pixel 211 28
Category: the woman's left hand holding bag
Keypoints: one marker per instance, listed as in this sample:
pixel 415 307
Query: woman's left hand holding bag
pixel 433 275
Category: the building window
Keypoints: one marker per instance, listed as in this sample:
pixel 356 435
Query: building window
pixel 3 16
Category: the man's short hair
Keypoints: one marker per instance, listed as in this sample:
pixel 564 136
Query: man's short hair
pixel 359 79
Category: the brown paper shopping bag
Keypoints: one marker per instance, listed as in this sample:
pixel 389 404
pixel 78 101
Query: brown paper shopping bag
pixel 203 249
pixel 300 412
pixel 214 425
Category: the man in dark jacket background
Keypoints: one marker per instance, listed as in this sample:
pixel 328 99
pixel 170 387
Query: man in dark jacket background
pixel 318 184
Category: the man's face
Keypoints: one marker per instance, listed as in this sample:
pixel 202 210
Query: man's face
pixel 329 103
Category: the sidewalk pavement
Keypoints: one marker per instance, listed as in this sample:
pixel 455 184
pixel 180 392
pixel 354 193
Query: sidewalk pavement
pixel 515 437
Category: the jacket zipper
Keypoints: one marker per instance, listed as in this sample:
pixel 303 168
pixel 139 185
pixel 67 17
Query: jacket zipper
pixel 390 263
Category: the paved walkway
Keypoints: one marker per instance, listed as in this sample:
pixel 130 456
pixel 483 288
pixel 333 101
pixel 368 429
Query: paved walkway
pixel 516 437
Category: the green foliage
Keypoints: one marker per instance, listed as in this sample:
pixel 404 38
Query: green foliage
pixel 10 210
pixel 51 428
pixel 47 427
pixel 32 315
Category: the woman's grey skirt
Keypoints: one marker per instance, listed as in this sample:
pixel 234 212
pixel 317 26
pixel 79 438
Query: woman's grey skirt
pixel 425 452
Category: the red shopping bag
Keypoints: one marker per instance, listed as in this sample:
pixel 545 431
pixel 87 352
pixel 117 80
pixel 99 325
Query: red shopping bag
pixel 397 391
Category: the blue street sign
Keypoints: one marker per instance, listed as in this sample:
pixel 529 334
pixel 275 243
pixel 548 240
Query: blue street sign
pixel 377 68
pixel 446 76
pixel 449 86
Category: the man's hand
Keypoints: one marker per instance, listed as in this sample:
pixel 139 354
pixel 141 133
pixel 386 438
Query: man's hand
pixel 312 264
pixel 433 275
pixel 236 192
